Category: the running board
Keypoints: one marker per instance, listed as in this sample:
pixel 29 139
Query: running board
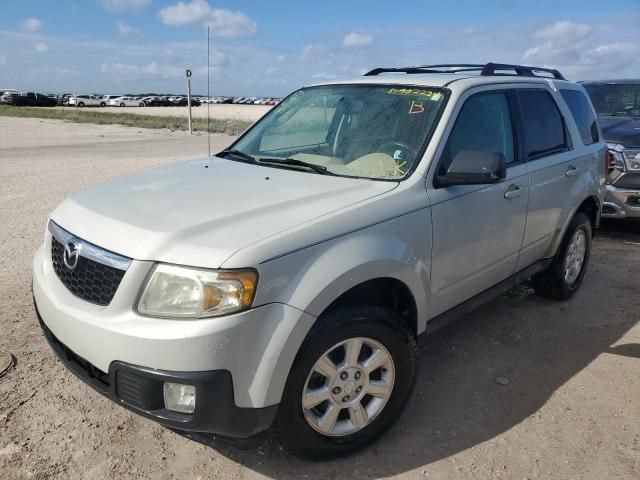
pixel 436 323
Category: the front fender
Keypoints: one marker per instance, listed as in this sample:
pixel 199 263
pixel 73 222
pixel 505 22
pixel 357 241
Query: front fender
pixel 312 278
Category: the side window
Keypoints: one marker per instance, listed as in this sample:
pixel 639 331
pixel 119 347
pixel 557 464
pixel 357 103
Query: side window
pixel 543 125
pixel 484 124
pixel 583 115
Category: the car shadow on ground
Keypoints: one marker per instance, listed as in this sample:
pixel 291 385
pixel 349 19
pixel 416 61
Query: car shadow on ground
pixel 533 345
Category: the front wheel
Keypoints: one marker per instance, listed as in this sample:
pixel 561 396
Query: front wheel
pixel 349 383
pixel 562 279
pixel 141 104
pixel 81 104
pixel 122 104
pixel 102 104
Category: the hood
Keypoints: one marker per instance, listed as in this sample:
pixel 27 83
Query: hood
pixel 200 212
pixel 622 130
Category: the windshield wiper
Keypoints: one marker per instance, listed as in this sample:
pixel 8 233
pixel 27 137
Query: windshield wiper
pixel 297 163
pixel 238 154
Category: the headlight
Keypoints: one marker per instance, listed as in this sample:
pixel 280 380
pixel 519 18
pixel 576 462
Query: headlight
pixel 181 292
pixel 616 157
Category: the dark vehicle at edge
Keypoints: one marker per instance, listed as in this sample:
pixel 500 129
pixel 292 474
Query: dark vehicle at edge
pixel 30 99
pixel 617 103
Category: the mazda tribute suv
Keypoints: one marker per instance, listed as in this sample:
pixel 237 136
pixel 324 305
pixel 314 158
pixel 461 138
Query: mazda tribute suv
pixel 283 282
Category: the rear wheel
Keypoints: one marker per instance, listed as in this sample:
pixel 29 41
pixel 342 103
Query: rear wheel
pixel 141 104
pixel 349 383
pixel 102 104
pixel 122 104
pixel 563 278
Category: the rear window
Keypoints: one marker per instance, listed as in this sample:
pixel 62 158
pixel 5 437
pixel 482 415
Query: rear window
pixel 583 115
pixel 543 125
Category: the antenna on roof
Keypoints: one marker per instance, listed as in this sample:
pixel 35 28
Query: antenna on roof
pixel 208 90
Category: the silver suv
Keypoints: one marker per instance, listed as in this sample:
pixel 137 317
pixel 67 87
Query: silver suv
pixel 285 280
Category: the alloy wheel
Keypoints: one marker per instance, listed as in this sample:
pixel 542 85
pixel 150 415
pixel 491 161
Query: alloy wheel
pixel 348 387
pixel 575 256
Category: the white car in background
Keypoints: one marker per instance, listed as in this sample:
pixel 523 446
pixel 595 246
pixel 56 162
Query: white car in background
pixel 125 102
pixel 86 101
pixel 106 98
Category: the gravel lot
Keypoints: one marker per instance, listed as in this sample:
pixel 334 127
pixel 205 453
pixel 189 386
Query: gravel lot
pixel 222 111
pixel 567 403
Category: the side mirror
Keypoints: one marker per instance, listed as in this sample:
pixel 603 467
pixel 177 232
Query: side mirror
pixel 471 167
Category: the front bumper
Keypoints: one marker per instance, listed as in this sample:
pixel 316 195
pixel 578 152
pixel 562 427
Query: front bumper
pixel 256 347
pixel 621 203
pixel 140 389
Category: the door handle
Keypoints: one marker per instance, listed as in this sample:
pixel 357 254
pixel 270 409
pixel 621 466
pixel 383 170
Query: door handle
pixel 513 191
pixel 571 171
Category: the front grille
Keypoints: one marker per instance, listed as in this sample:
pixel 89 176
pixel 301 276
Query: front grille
pixel 90 280
pixel 628 181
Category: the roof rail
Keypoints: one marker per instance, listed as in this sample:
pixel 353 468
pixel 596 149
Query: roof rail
pixel 486 70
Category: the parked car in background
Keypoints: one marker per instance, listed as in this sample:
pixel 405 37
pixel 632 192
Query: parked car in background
pixel 62 99
pixel 617 103
pixel 184 101
pixel 286 279
pixel 159 102
pixel 86 100
pixel 30 99
pixel 106 98
pixel 7 97
pixel 125 102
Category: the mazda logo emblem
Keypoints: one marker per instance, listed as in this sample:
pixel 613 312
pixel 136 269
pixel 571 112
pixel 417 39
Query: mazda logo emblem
pixel 71 255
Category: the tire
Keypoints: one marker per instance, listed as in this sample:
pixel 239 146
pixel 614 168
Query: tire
pixel 375 327
pixel 122 104
pixel 102 104
pixel 141 104
pixel 556 283
pixel 81 104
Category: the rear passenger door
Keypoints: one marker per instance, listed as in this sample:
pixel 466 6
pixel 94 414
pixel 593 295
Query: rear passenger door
pixel 478 229
pixel 554 171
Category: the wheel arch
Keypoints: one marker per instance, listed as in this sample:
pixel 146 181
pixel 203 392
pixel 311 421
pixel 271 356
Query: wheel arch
pixel 386 292
pixel 591 206
pixel 370 266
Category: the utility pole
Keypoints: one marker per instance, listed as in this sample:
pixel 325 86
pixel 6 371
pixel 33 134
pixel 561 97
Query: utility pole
pixel 188 72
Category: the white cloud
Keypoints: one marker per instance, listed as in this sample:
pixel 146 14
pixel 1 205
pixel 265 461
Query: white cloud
pixel 357 40
pixel 152 69
pixel 123 5
pixel 42 47
pixel 218 59
pixel 564 31
pixel 562 43
pixel 324 76
pixel 126 30
pixel 32 25
pixel 223 22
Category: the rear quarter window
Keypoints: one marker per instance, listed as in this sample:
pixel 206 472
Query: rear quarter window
pixel 583 115
pixel 544 130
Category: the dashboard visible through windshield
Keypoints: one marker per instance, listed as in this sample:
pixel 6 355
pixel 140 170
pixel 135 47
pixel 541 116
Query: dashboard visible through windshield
pixel 370 131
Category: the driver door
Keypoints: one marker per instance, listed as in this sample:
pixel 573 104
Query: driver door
pixel 478 229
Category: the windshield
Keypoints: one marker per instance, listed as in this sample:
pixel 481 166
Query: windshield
pixel 371 131
pixel 615 99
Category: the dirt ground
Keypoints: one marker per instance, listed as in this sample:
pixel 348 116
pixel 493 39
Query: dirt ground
pixel 221 111
pixel 566 406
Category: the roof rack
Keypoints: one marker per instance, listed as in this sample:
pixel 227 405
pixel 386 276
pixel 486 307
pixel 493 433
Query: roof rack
pixel 486 70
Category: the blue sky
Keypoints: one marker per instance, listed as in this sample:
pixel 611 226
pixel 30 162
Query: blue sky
pixel 270 48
